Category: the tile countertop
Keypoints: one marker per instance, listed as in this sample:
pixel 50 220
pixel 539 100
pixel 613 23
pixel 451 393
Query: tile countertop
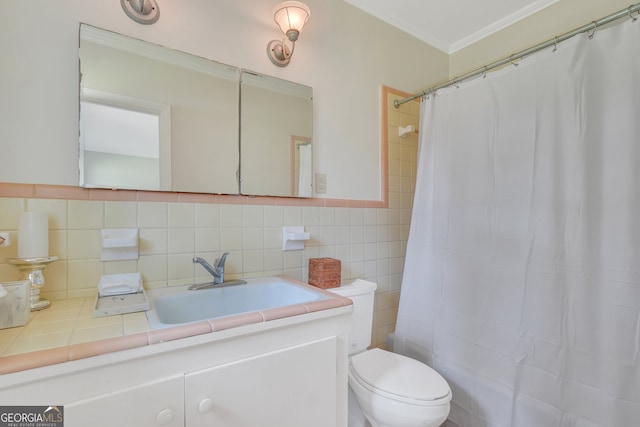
pixel 68 331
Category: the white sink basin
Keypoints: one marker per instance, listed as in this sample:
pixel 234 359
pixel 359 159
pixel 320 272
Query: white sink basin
pixel 178 305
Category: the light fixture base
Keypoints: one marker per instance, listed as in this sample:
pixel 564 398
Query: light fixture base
pixel 142 11
pixel 279 53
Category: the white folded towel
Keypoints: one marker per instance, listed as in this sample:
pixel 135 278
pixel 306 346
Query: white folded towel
pixel 120 284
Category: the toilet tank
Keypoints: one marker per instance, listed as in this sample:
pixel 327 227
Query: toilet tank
pixel 362 293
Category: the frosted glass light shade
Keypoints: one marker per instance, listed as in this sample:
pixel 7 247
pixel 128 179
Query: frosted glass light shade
pixel 291 17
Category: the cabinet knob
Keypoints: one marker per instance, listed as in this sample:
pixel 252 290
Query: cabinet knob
pixel 164 417
pixel 205 406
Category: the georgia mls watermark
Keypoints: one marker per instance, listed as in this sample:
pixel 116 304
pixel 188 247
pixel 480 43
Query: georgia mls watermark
pixel 31 416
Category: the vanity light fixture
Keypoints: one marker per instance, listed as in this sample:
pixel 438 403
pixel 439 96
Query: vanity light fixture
pixel 141 11
pixel 291 16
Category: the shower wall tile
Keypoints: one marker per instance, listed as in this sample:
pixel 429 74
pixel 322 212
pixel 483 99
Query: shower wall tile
pixel 207 239
pixel 231 216
pixel 326 217
pixel 180 268
pixel 253 238
pixel 253 261
pixel 152 215
pixel 207 215
pixel 292 215
pixel 342 234
pixel 273 237
pixel 85 214
pixel 10 209
pixel 121 214
pixel 253 216
pixel 83 277
pixel 153 241
pixel 231 238
pixel 181 240
pixel 181 215
pixel 273 260
pixel 57 243
pixel 83 244
pixel 273 216
pixel 310 216
pixel 341 216
pixel 153 268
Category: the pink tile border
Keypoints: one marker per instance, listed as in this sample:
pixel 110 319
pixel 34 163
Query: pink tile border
pixel 37 359
pixel 46 191
pixel 223 323
pixel 94 348
pixel 282 312
pixel 157 336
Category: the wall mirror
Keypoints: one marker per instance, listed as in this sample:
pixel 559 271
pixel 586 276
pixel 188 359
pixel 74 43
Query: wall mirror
pixel 276 126
pixel 153 118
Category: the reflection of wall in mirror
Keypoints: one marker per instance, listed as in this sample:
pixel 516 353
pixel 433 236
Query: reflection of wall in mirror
pixel 204 115
pixel 269 119
pixel 300 181
pixel 121 139
pixel 107 170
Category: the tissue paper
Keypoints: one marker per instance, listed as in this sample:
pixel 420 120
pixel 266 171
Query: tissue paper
pixel 120 284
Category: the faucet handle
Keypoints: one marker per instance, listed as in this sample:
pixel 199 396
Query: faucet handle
pixel 219 262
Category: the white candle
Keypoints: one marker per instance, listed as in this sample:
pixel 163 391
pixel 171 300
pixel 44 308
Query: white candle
pixel 33 235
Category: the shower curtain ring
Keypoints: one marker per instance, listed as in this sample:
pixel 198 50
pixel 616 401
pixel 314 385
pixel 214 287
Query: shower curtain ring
pixel 555 45
pixel 630 15
pixel 515 64
pixel 593 32
pixel 484 73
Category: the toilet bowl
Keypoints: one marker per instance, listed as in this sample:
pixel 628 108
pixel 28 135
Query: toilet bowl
pixel 389 389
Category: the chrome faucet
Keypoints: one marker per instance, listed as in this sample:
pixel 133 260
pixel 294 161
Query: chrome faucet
pixel 216 270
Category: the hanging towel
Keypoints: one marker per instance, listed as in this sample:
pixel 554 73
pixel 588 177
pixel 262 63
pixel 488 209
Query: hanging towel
pixel 304 175
pixel 120 284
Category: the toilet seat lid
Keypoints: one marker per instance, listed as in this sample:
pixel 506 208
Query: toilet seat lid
pixel 399 376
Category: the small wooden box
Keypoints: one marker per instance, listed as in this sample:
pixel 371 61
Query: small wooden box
pixel 324 272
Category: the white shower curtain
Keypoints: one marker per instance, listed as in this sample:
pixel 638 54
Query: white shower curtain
pixel 522 277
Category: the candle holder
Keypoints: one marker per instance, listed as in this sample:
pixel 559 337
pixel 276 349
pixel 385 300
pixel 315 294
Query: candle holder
pixel 33 267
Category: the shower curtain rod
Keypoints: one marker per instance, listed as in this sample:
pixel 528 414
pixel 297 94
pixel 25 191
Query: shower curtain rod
pixel 592 26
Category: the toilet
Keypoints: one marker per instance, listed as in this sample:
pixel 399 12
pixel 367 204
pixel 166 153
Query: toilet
pixel 388 389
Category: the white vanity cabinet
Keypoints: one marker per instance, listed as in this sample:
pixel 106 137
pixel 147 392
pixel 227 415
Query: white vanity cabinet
pixel 288 372
pixel 160 403
pixel 292 387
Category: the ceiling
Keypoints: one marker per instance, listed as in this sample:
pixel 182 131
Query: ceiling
pixel 451 25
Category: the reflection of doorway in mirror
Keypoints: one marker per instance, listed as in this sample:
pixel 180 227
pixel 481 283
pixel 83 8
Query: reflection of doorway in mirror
pixel 301 167
pixel 121 142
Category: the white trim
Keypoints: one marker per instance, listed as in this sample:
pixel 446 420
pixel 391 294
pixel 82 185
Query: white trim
pixel 422 33
pixel 500 24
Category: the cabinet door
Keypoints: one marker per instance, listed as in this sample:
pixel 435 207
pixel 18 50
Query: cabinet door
pixel 159 403
pixel 292 387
